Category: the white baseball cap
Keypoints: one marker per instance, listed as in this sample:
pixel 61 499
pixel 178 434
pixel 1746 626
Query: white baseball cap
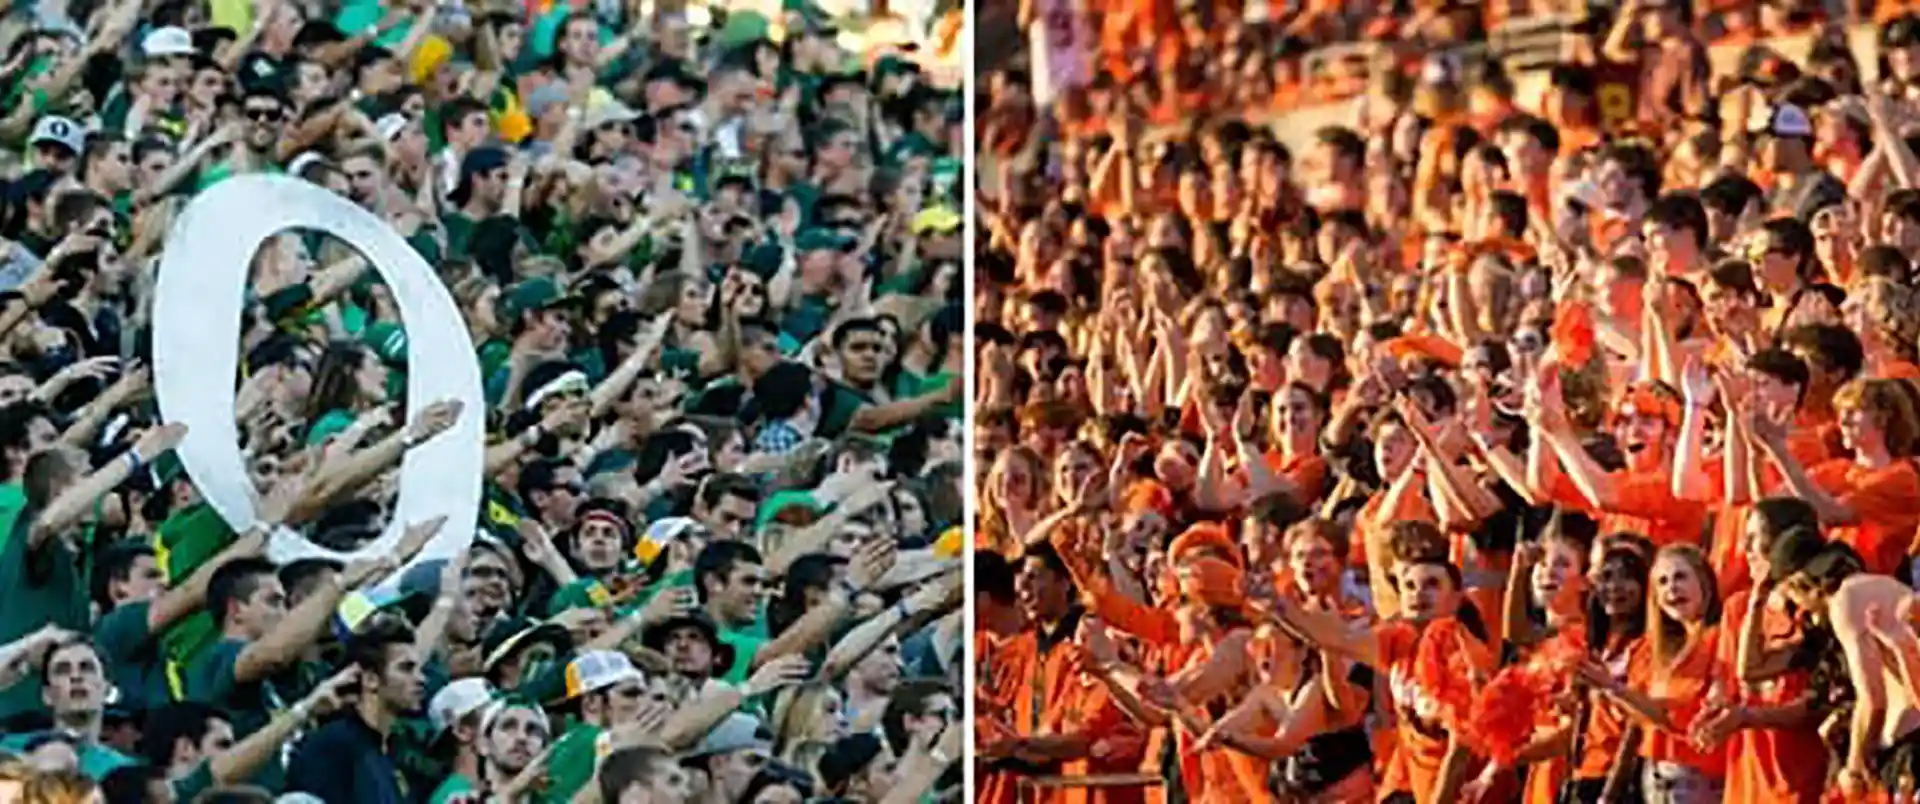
pixel 60 131
pixel 458 700
pixel 171 40
pixel 597 670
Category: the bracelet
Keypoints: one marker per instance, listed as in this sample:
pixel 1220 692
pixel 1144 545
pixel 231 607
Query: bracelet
pixel 851 590
pixel 940 756
pixel 133 459
pixel 905 612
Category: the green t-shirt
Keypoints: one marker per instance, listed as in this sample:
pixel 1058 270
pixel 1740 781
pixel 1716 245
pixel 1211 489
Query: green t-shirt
pixel 807 319
pixel 96 760
pixel 570 766
pixel 839 404
pixel 909 385
pixel 133 658
pixel 329 425
pixel 189 538
pixel 455 784
pixel 459 233
pixel 745 643
pixel 249 704
pixel 13 500
pixel 42 587
pixel 196 781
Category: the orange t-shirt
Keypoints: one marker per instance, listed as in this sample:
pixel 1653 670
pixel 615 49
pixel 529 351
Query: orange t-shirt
pixel 1308 473
pixel 1606 724
pixel 1421 747
pixel 1886 502
pixel 1413 507
pixel 1681 689
pixel 1643 503
pixel 1771 764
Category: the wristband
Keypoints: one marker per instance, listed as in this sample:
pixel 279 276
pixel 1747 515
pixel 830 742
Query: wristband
pixel 905 612
pixel 851 590
pixel 133 459
pixel 940 756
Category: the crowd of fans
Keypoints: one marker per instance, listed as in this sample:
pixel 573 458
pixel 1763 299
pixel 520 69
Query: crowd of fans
pixel 709 264
pixel 1478 449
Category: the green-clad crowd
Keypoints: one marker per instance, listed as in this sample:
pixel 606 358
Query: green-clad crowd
pixel 708 260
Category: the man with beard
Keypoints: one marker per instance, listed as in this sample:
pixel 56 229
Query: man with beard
pixel 459 711
pixel 347 760
pixel 512 735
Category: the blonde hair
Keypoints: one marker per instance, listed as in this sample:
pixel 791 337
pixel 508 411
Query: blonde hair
pixel 994 533
pixel 796 716
pixel 1890 405
pixel 59 787
pixel 1669 637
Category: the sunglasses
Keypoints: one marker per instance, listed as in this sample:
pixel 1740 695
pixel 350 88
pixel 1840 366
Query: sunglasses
pixel 264 115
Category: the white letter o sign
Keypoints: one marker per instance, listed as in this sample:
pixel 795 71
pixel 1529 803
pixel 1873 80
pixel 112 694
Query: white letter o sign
pixel 200 295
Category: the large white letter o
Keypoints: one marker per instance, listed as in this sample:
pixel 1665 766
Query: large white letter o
pixel 196 352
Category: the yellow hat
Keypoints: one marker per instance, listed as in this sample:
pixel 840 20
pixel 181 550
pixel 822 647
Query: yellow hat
pixel 936 219
pixel 951 544
pixel 431 55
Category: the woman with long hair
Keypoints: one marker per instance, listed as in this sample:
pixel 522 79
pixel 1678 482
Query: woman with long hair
pixel 1674 675
pixel 349 381
pixel 809 713
pixel 1012 499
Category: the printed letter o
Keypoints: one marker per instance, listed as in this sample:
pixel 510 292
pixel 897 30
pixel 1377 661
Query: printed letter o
pixel 199 297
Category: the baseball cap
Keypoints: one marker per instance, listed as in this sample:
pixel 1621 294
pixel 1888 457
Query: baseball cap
pixel 780 501
pixel 597 670
pixel 653 542
pixel 1784 120
pixel 739 732
pixel 818 239
pixel 544 97
pixel 942 219
pixel 170 40
pixel 59 131
pixel 480 160
pixel 458 700
pixel 538 293
pixel 607 113
pixel 388 340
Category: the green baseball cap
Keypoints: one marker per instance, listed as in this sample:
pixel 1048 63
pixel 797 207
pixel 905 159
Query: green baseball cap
pixel 538 293
pixel 388 340
pixel 820 239
pixel 781 501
